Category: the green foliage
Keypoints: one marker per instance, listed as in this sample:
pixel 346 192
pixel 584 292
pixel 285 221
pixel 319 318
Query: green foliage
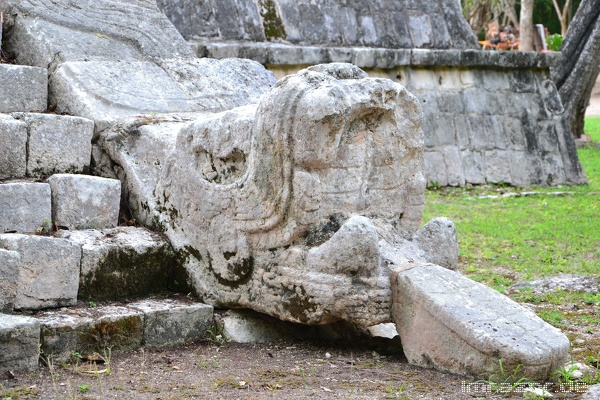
pixel 554 42
pixel 507 239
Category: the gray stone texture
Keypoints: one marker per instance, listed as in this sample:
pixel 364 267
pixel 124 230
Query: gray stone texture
pixel 105 71
pixel 390 24
pixel 13 142
pixel 9 279
pixel 57 143
pixel 91 330
pixel 85 202
pixel 19 342
pixel 570 282
pixel 121 263
pixel 25 207
pixel 170 323
pixel 439 242
pixel 48 271
pixel 449 322
pixel 23 88
pixel 354 152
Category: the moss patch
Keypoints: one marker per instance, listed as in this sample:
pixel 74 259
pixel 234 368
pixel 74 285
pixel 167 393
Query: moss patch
pixel 272 23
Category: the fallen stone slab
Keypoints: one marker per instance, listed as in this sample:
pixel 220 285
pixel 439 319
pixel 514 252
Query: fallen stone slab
pixel 19 342
pixel 121 263
pixel 48 271
pixel 23 88
pixel 170 323
pixel 449 322
pixel 25 207
pixel 85 202
pixel 57 143
pixel 9 274
pixel 592 393
pixel 570 282
pixel 91 330
pixel 13 142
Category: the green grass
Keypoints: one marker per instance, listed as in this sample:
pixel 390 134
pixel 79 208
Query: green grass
pixel 505 240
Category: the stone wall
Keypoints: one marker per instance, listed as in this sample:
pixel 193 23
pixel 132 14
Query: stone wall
pixel 490 117
pixel 391 23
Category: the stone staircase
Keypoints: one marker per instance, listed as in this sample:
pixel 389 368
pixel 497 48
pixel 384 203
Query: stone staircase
pixel 61 250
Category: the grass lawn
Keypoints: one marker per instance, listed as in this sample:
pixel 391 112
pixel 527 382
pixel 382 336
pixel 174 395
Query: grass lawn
pixel 513 239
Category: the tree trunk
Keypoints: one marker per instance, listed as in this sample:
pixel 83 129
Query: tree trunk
pixel 580 65
pixel 526 26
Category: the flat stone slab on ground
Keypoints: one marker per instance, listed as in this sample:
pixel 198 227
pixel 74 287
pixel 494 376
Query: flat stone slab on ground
pixel 13 142
pixel 452 323
pixel 57 143
pixel 25 207
pixel 48 271
pixel 85 202
pixel 23 88
pixel 574 283
pixel 121 262
pixel 172 323
pixel 155 323
pixel 19 342
pixel 91 330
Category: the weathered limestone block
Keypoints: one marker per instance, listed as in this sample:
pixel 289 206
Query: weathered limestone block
pixel 173 323
pixel 48 271
pixel 439 241
pixel 122 262
pixel 57 143
pixel 25 207
pixel 390 24
pixel 105 71
pixel 23 88
pixel 91 330
pixel 281 228
pixel 9 274
pixel 448 322
pixel 85 202
pixel 13 142
pixel 19 342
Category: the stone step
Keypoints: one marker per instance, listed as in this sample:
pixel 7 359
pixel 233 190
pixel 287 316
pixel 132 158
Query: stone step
pixel 23 88
pixel 59 335
pixel 449 322
pixel 44 144
pixel 42 272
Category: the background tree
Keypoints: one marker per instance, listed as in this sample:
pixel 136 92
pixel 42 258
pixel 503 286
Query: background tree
pixel 526 25
pixel 563 15
pixel 580 65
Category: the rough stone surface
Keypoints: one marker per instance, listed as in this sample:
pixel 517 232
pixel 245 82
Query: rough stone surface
pixel 439 241
pixel 85 202
pixel 13 142
pixel 172 323
pixel 387 331
pixel 389 24
pixel 19 342
pixel 57 143
pixel 48 271
pixel 25 207
pixel 91 330
pixel 449 322
pixel 122 262
pixel 9 274
pixel 570 282
pixel 23 88
pixel 280 219
pixel 105 71
pixel 592 393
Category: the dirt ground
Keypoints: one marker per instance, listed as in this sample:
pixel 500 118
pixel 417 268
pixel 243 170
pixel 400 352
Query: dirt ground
pixel 207 370
pixel 214 369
